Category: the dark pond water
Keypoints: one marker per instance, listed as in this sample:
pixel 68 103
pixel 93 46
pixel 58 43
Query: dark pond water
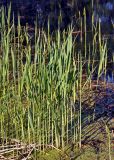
pixel 29 9
pixel 44 9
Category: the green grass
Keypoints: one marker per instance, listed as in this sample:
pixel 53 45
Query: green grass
pixel 37 95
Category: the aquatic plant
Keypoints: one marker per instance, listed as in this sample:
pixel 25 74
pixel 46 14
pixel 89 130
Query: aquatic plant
pixel 41 81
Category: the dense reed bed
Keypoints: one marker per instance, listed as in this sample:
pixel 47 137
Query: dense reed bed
pixel 43 78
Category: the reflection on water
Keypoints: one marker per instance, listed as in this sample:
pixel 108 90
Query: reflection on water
pixel 108 77
pixel 109 6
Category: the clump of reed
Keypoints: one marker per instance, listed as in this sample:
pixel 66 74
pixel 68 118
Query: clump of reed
pixel 38 94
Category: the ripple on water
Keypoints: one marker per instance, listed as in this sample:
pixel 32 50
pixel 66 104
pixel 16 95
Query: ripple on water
pixel 109 6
